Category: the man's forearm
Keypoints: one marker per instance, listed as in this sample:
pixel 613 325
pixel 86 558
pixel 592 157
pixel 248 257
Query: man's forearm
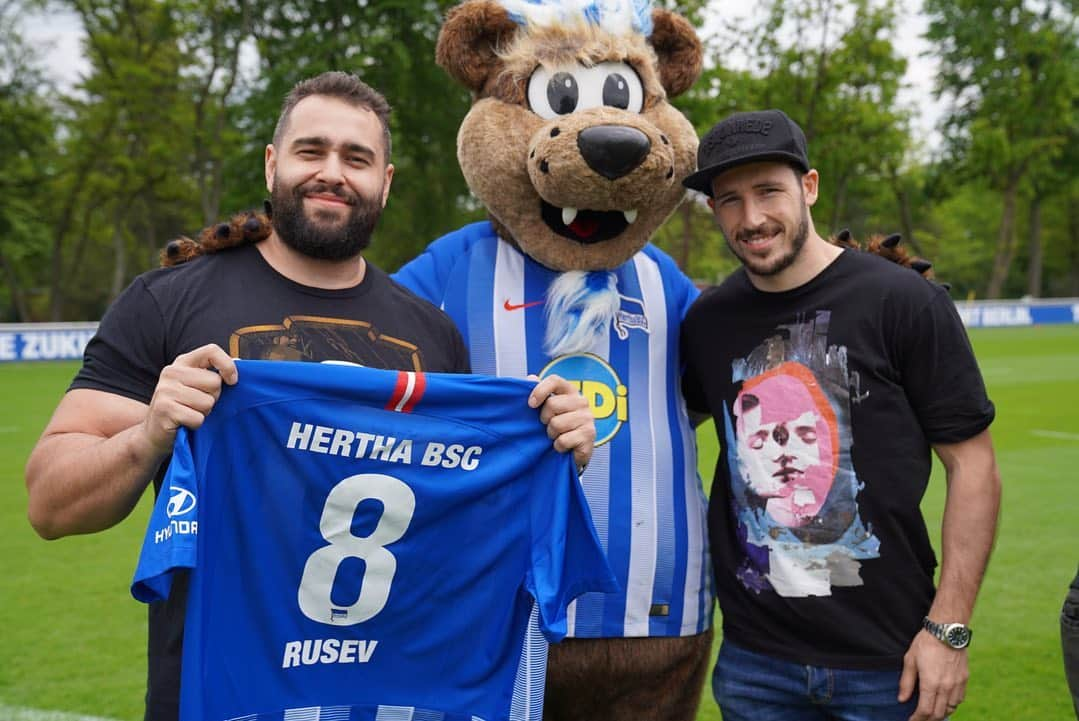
pixel 969 526
pixel 100 449
pixel 82 483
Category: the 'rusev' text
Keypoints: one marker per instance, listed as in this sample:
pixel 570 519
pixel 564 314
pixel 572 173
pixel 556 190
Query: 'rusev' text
pixel 329 650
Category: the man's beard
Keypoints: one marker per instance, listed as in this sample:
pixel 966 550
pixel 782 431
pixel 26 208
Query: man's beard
pixel 326 236
pixel 786 260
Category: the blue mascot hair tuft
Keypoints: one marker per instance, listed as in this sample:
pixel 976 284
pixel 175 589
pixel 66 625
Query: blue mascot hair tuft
pixel 620 17
pixel 580 305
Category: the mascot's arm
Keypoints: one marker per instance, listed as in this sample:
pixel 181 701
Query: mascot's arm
pixel 430 273
pixel 887 247
pixel 241 229
pixel 681 288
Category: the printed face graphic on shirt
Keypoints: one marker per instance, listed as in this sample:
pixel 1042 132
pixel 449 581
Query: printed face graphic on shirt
pixel 786 442
pixel 794 490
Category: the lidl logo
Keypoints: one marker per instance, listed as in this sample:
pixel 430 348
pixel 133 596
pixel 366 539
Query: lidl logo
pixel 601 387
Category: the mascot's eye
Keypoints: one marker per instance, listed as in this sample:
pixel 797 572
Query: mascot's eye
pixel 562 93
pixel 572 88
pixel 616 91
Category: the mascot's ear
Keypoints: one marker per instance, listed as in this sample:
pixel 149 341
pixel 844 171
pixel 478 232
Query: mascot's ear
pixel 469 37
pixel 679 51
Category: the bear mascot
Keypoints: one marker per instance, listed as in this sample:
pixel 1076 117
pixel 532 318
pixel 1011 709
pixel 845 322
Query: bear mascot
pixel 577 156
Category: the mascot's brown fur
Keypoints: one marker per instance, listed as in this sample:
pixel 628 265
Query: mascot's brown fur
pixel 578 190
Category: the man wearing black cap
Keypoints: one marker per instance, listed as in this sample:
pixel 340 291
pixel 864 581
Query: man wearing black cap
pixel 831 374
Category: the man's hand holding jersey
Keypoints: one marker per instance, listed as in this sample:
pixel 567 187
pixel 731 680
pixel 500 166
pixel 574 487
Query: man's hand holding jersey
pixel 186 391
pixel 565 412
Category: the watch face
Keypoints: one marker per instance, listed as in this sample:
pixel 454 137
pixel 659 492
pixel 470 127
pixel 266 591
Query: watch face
pixel 958 636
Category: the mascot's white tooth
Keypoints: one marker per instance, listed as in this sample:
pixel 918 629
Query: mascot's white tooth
pixel 568 215
pixel 630 215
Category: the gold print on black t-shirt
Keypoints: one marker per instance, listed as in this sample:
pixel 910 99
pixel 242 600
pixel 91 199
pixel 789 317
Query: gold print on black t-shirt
pixel 314 338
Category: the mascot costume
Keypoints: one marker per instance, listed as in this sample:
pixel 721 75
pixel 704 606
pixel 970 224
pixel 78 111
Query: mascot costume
pixel 578 157
pixel 576 154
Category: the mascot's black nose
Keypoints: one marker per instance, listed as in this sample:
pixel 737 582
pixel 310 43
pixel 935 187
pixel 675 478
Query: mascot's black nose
pixel 613 150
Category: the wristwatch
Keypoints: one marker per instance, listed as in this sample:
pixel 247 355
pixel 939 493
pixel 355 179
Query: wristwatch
pixel 956 635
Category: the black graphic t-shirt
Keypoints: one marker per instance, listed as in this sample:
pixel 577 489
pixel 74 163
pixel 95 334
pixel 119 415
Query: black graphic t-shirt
pixel 827 399
pixel 238 301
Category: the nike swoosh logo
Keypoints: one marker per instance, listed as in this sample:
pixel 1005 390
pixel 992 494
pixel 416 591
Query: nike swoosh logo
pixel 518 306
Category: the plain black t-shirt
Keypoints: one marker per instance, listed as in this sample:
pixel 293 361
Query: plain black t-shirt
pixel 237 300
pixel 827 399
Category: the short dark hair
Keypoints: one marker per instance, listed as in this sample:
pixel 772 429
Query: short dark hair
pixel 343 86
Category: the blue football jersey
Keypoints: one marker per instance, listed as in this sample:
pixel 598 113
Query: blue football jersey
pixel 369 545
pixel 642 485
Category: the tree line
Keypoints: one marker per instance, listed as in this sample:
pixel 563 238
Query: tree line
pixel 165 132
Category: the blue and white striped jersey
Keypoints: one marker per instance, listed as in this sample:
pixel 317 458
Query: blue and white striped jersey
pixel 369 545
pixel 642 484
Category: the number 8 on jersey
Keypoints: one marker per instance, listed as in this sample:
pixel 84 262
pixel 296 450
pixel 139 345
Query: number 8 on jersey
pixel 399 504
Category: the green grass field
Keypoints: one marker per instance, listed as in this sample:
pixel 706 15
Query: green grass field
pixel 72 639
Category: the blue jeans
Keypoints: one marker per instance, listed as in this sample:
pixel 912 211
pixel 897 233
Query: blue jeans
pixel 752 687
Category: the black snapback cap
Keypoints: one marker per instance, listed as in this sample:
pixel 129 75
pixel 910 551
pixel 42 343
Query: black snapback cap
pixel 747 138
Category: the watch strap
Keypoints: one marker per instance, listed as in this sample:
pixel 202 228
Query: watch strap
pixel 955 635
